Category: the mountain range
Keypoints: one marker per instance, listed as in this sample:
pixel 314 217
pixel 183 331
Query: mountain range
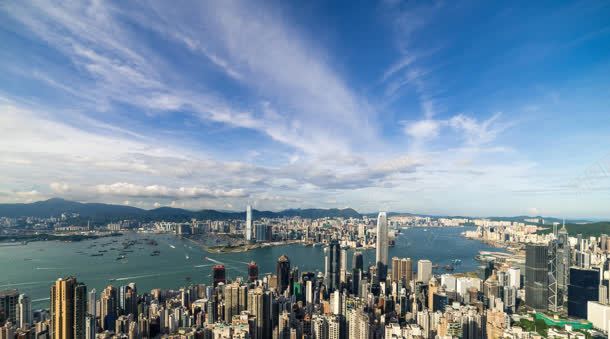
pixel 98 212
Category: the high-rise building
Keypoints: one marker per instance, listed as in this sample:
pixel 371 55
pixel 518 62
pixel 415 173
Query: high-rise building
pixel 68 309
pixel 219 274
pixel 108 308
pixel 381 249
pixel 343 267
pixel 357 261
pixel 24 311
pixel 562 266
pixel 258 307
pixel 91 301
pixel 131 300
pixel 234 298
pixel 263 232
pixel 309 292
pixel 396 269
pixel 252 271
pixel 514 277
pixel 332 262
pixel 90 327
pixel 424 270
pixel 8 306
pixel 283 273
pixel 249 223
pixel 536 276
pixel 583 287
pixel 406 270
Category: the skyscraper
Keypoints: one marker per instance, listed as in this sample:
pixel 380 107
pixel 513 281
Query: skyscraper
pixel 91 309
pixel 108 308
pixel 396 272
pixel 234 297
pixel 24 311
pixel 249 223
pixel 563 257
pixel 68 309
pixel 357 266
pixel 381 249
pixel 332 265
pixel 357 261
pixel 583 287
pixel 536 276
pixel 424 270
pixel 283 273
pixel 257 306
pixel 343 267
pixel 8 306
pixel 406 270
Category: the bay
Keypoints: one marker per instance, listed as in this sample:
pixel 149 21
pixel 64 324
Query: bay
pixel 33 268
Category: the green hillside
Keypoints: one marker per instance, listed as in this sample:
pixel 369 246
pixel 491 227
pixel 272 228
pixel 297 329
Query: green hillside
pixel 587 230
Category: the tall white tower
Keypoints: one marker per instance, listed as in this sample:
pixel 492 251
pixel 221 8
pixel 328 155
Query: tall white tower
pixel 381 250
pixel 249 223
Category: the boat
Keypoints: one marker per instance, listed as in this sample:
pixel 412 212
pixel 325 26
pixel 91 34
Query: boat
pixel 448 267
pixel 97 254
pixel 172 246
pixel 121 257
pixel 187 256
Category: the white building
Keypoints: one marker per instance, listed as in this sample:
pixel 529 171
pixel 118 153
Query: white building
pixel 424 270
pixel 599 315
pixel 381 251
pixel 249 223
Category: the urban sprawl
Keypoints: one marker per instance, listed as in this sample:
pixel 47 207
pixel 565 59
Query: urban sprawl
pixel 544 284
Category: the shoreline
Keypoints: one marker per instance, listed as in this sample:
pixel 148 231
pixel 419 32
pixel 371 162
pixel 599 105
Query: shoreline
pixel 25 239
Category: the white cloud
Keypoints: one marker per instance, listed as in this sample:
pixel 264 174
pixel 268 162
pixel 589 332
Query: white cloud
pixel 124 189
pixel 423 129
pixel 60 187
pixel 476 132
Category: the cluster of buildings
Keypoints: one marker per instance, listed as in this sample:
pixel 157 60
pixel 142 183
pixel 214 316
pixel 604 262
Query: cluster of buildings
pixel 390 299
pixel 564 280
pixel 570 276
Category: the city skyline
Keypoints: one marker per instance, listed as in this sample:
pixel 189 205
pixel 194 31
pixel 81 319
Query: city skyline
pixel 279 105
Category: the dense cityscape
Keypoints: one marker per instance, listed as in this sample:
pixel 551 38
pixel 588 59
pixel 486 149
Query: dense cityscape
pixel 547 284
pixel 247 169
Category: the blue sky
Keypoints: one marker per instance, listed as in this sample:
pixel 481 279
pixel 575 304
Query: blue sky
pixel 456 107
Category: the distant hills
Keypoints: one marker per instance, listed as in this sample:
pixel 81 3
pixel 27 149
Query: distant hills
pixel 98 212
